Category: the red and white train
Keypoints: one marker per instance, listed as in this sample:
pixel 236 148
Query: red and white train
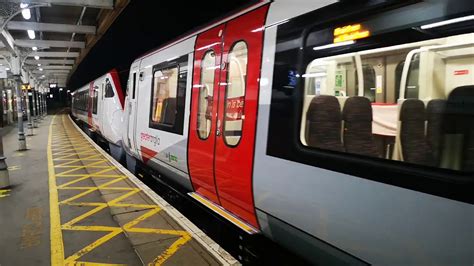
pixel 343 130
pixel 99 105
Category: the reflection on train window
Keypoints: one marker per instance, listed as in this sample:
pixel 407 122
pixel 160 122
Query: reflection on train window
pixel 109 92
pixel 206 91
pixel 235 93
pixel 165 86
pixel 372 103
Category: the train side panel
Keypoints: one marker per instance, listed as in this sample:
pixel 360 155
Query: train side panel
pixel 160 135
pixel 330 216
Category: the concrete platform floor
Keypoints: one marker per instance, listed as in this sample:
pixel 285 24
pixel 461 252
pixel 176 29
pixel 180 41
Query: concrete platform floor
pixel 69 205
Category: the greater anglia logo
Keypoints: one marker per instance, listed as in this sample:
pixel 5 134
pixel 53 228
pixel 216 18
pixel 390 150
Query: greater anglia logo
pixel 149 138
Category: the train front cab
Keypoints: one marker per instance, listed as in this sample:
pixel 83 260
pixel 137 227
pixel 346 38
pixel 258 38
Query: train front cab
pixel 366 149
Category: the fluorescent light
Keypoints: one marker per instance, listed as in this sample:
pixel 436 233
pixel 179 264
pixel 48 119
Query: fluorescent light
pixel 34 48
pixel 332 45
pixel 447 22
pixel 26 13
pixel 37 57
pixel 23 5
pixel 31 34
pixel 314 75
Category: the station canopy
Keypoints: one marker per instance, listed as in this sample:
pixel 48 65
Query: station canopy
pixel 51 37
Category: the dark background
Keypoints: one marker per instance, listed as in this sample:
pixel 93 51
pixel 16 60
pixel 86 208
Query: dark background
pixel 144 25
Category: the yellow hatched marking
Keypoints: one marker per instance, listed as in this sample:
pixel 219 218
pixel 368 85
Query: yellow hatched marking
pixel 65 147
pixel 81 167
pixel 64 173
pixel 88 158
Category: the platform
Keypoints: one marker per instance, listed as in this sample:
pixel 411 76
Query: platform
pixel 72 204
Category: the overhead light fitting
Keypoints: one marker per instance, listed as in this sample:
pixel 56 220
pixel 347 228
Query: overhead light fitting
pixel 447 22
pixel 23 5
pixel 39 64
pixel 34 48
pixel 37 57
pixel 40 69
pixel 26 13
pixel 31 34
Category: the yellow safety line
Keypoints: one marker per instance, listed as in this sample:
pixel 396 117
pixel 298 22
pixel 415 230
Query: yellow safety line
pixel 57 246
pixel 171 250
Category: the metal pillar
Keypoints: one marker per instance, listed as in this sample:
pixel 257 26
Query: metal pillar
pixel 19 107
pixel 4 175
pixel 45 105
pixel 33 104
pixel 38 109
pixel 28 113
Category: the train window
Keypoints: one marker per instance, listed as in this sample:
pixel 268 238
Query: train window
pixel 235 93
pixel 168 95
pixel 95 92
pixel 109 91
pixel 134 80
pixel 206 91
pixel 165 84
pixel 346 105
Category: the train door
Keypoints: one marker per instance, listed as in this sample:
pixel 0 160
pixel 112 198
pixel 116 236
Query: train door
pixel 132 102
pixel 223 120
pixel 99 93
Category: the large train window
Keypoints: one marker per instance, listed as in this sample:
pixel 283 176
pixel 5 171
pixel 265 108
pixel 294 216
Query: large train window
pixel 206 91
pixel 235 93
pixel 347 86
pixel 168 91
pixel 165 86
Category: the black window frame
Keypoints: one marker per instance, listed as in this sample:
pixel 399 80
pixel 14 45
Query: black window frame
pixel 287 103
pixel 182 64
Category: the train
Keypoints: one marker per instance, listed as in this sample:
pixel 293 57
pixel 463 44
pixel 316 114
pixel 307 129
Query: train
pixel 343 130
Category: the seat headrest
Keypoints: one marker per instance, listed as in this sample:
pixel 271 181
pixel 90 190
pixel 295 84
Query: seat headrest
pixel 412 110
pixel 324 107
pixel 436 106
pixel 357 108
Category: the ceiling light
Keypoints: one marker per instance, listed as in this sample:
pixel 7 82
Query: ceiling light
pixel 40 69
pixel 23 5
pixel 26 13
pixel 447 22
pixel 34 48
pixel 332 45
pixel 7 68
pixel 31 34
pixel 37 57
pixel 39 64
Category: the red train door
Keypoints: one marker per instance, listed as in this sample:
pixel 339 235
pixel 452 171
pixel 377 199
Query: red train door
pixel 207 62
pixel 223 125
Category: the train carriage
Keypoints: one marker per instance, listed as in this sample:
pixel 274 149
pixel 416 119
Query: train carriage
pixel 99 107
pixel 341 129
